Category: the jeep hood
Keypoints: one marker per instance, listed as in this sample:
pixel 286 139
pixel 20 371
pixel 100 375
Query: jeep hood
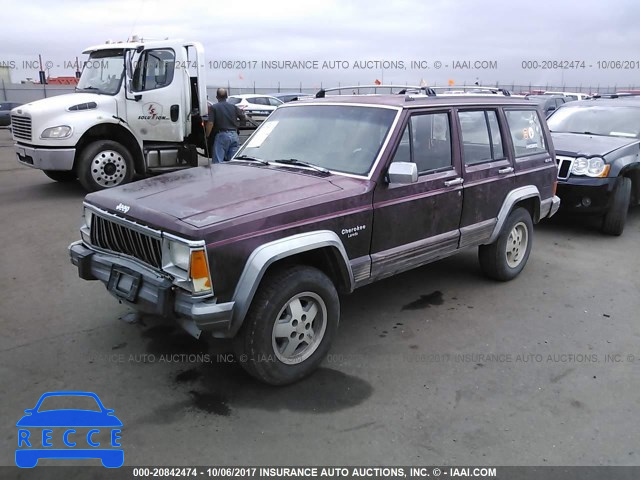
pixel 204 196
pixel 575 144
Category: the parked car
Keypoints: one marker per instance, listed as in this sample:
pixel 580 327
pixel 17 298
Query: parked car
pixel 549 103
pixel 570 96
pixel 5 112
pixel 326 196
pixel 290 96
pixel 598 147
pixel 258 106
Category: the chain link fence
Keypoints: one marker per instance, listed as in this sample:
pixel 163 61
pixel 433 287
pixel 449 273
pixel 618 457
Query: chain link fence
pixel 24 93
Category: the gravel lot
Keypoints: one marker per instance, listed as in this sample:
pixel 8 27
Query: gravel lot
pixel 435 366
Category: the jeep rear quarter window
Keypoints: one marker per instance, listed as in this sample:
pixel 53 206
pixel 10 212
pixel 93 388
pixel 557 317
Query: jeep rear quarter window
pixel 526 132
pixel 426 141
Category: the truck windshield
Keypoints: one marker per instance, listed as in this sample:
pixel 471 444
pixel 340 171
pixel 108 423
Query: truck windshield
pixel 102 73
pixel 341 138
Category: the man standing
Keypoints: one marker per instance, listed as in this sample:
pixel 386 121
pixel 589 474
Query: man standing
pixel 224 121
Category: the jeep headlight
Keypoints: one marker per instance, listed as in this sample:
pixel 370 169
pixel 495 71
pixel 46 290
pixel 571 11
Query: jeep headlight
pixel 580 166
pixel 591 167
pixel 178 255
pixel 87 216
pixel 187 264
pixel 61 131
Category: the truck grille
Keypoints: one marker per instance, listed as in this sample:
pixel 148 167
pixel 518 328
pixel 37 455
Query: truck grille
pixel 21 127
pixel 564 166
pixel 119 238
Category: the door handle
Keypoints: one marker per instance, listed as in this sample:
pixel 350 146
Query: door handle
pixel 455 181
pixel 506 170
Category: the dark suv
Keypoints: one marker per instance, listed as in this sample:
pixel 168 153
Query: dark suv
pixel 326 196
pixel 598 145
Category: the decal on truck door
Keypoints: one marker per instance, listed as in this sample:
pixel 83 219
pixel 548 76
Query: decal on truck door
pixel 152 113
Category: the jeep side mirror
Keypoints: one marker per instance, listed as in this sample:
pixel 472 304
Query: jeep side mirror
pixel 403 173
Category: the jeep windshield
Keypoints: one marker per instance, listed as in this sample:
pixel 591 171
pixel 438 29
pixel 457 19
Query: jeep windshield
pixel 102 73
pixel 339 138
pixel 597 120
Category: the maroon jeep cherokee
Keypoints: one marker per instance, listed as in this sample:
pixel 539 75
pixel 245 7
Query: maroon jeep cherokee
pixel 326 196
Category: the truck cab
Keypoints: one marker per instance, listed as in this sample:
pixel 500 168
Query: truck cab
pixel 137 109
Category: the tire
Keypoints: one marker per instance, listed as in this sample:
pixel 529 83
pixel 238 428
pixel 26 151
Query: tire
pixel 61 175
pixel 104 164
pixel 505 258
pixel 616 216
pixel 273 344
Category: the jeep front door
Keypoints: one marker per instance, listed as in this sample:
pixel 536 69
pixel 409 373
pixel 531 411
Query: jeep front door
pixel 418 222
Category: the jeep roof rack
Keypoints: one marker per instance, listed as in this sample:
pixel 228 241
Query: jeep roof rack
pixel 402 89
pixel 474 89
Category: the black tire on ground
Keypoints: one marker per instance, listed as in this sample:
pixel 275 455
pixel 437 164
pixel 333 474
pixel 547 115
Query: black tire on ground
pixel 616 216
pixel 61 175
pixel 505 258
pixel 104 164
pixel 286 296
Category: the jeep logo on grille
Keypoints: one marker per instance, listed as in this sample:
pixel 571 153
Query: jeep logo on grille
pixel 123 208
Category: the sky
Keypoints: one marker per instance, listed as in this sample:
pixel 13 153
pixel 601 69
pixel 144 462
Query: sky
pixel 515 42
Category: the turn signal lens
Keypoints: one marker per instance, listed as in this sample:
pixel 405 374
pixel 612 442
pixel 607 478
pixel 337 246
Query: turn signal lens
pixel 199 272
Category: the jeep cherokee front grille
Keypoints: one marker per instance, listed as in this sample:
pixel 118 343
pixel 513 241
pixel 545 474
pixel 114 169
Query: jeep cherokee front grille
pixel 121 239
pixel 564 166
pixel 21 127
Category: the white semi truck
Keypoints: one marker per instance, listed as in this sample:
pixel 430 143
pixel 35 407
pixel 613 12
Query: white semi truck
pixel 137 109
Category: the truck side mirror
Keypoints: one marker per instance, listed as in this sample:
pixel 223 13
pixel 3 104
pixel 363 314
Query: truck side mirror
pixel 402 172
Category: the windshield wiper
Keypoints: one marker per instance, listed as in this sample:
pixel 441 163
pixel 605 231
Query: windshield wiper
pixel 295 161
pixel 251 159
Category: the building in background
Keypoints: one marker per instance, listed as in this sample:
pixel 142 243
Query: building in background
pixel 5 74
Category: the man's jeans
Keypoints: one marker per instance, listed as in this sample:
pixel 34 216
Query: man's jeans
pixel 225 146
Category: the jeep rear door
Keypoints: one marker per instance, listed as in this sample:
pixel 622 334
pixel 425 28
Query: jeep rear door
pixel 487 171
pixel 418 222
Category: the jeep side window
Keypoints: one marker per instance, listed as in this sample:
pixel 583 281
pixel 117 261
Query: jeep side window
pixel 526 132
pixel 426 141
pixel 481 139
pixel 154 70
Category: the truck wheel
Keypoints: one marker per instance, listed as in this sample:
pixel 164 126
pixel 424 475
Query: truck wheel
pixel 616 216
pixel 61 175
pixel 505 258
pixel 289 326
pixel 104 164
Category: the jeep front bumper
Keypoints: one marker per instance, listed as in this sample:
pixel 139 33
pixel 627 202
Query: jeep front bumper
pixel 46 158
pixel 150 292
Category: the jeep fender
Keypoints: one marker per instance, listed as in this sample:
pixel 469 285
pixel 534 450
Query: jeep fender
pixel 265 255
pixel 512 198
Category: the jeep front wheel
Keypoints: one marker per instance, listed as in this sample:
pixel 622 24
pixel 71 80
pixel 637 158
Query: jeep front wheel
pixel 290 325
pixel 616 216
pixel 505 258
pixel 104 164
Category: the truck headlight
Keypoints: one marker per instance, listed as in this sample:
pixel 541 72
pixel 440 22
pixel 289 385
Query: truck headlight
pixel 61 131
pixel 591 167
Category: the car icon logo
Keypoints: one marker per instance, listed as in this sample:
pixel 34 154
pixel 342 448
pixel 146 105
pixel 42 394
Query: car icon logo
pixel 69 433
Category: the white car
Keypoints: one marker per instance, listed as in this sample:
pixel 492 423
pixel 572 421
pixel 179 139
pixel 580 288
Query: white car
pixel 570 96
pixel 258 107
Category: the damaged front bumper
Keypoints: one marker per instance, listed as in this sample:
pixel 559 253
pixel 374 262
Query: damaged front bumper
pixel 150 292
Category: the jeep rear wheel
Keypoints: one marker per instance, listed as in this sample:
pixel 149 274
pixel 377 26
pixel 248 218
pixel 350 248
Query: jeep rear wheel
pixel 505 258
pixel 104 164
pixel 61 175
pixel 290 325
pixel 616 216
